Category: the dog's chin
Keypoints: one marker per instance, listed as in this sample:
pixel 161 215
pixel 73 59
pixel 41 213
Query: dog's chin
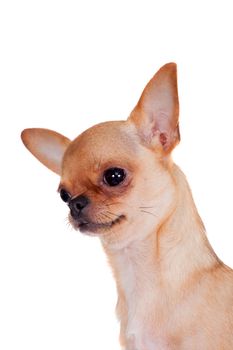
pixel 95 228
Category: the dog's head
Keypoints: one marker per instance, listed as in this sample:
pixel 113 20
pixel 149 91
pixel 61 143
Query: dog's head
pixel 116 176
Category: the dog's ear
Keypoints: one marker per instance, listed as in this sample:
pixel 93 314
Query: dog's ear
pixel 47 146
pixel 157 112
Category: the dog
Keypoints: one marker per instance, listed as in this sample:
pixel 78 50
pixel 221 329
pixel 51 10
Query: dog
pixel 121 184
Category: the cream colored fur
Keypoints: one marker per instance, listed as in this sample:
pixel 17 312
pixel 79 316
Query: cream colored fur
pixel 173 291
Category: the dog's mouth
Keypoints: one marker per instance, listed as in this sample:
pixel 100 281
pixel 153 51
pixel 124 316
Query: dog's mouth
pixel 87 226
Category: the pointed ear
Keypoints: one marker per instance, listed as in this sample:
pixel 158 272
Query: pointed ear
pixel 47 146
pixel 156 114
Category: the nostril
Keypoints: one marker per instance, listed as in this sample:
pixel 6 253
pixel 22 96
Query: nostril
pixel 78 203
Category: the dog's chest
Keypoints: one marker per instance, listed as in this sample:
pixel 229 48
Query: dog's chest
pixel 140 338
pixel 130 279
pixel 139 296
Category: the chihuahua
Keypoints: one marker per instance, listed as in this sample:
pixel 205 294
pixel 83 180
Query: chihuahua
pixel 121 184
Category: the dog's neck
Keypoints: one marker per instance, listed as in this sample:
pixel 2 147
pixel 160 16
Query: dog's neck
pixel 170 258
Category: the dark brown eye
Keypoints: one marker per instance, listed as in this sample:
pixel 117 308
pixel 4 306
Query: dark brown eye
pixel 65 196
pixel 114 176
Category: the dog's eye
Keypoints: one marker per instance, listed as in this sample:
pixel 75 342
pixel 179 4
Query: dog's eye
pixel 65 196
pixel 114 176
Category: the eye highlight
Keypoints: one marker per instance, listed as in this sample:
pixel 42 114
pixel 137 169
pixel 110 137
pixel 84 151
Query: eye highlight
pixel 65 196
pixel 114 176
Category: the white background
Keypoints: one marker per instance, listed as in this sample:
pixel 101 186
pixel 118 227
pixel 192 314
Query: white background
pixel 66 65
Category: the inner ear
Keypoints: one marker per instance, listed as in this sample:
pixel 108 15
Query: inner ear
pixel 47 146
pixel 157 111
pixel 166 129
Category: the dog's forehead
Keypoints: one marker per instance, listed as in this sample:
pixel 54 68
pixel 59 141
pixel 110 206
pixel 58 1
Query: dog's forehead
pixel 101 143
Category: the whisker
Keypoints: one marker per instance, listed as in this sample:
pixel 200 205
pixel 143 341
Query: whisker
pixel 106 216
pixel 146 207
pixel 68 224
pixel 104 222
pixel 104 202
pixel 144 211
pixel 99 219
pixel 112 213
pixel 109 204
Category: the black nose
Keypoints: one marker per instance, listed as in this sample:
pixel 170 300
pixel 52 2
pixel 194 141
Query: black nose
pixel 77 204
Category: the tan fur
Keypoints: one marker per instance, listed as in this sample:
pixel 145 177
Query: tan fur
pixel 173 291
